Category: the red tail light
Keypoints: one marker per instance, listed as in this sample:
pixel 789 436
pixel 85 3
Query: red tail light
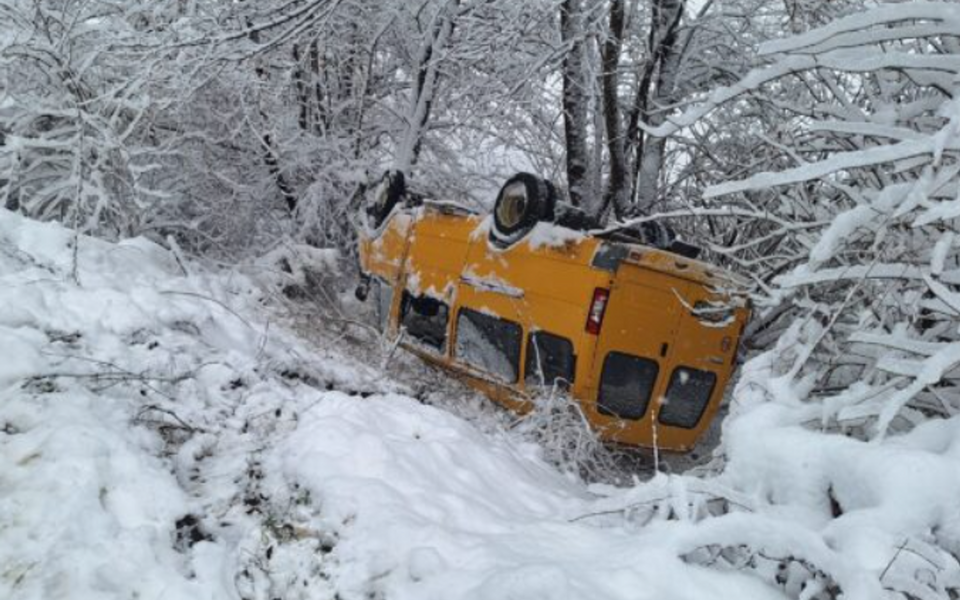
pixel 597 308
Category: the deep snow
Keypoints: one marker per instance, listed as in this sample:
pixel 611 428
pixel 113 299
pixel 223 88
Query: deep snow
pixel 162 435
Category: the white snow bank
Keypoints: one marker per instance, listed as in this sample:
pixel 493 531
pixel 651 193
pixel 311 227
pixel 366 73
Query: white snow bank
pixel 88 508
pixel 884 513
pixel 159 440
pixel 424 506
pixel 101 385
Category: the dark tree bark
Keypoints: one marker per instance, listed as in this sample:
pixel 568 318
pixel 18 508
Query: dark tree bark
pixel 271 157
pixel 657 83
pixel 321 119
pixel 272 160
pixel 426 75
pixel 300 85
pixel 618 186
pixel 574 102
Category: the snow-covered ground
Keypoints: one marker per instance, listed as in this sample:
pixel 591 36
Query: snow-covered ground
pixel 162 436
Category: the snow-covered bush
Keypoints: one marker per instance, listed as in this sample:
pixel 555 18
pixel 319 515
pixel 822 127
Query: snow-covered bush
pixel 856 265
pixel 300 271
pixel 72 105
pixel 859 241
pixel 559 427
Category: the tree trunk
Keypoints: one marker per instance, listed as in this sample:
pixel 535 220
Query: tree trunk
pixel 655 90
pixel 271 155
pixel 425 90
pixel 574 103
pixel 617 192
pixel 321 120
pixel 272 160
pixel 300 85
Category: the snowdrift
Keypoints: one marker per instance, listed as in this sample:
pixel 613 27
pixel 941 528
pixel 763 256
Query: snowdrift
pixel 162 437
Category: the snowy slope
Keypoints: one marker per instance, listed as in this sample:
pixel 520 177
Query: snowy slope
pixel 160 437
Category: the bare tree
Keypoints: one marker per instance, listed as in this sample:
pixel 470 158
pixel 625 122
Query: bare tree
pixel 656 91
pixel 860 211
pixel 575 99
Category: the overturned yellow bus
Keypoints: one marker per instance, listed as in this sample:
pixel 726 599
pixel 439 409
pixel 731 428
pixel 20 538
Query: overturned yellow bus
pixel 643 336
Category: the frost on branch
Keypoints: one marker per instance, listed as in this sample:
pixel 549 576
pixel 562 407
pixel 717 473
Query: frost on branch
pixel 846 421
pixel 860 239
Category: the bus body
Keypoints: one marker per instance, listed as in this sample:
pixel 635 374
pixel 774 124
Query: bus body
pixel 645 340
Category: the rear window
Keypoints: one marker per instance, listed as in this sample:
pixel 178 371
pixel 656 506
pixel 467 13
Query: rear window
pixel 550 360
pixel 425 319
pixel 625 385
pixel 687 397
pixel 489 343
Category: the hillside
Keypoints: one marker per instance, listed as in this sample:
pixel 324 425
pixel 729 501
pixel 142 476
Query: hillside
pixel 163 436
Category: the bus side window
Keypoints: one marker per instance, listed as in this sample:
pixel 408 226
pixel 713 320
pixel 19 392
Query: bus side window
pixel 425 319
pixel 625 385
pixel 550 360
pixel 489 343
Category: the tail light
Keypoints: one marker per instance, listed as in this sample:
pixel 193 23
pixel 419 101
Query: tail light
pixel 597 307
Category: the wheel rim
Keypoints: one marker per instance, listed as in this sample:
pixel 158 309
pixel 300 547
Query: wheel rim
pixel 512 205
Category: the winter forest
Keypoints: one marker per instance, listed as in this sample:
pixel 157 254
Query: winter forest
pixel 194 404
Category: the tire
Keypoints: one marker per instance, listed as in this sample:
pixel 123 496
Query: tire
pixel 656 234
pixel 572 217
pixel 384 197
pixel 523 201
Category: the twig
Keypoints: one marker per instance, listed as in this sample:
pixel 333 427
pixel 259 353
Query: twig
pixel 393 349
pixel 623 509
pixel 658 500
pixel 75 251
pixel 263 341
pixel 178 254
pixel 169 413
pixel 214 300
pixel 892 560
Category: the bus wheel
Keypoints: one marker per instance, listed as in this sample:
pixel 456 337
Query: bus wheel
pixel 656 234
pixel 385 195
pixel 523 201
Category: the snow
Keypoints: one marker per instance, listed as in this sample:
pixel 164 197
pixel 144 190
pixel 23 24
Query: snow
pixel 489 282
pixel 866 27
pixel 843 225
pixel 548 235
pixel 414 285
pixel 89 497
pixel 887 493
pixel 426 507
pixel 940 251
pixel 841 161
pixel 165 435
pixel 292 264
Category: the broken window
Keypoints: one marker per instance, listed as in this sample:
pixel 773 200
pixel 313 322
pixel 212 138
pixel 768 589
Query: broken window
pixel 425 319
